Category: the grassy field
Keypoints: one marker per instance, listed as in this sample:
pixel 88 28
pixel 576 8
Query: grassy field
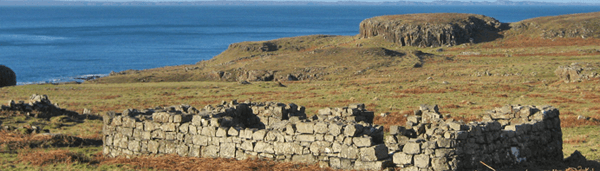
pixel 464 81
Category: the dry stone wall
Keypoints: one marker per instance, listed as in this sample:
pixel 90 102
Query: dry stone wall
pixel 39 106
pixel 343 138
pixel 507 136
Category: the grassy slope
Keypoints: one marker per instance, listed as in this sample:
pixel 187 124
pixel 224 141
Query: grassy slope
pixel 522 69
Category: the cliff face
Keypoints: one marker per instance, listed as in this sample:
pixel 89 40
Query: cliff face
pixel 425 30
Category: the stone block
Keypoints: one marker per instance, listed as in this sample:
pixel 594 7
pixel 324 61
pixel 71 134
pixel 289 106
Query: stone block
pixel 371 165
pixel 412 148
pixel 335 163
pixel 444 152
pixel 134 145
pixel 274 135
pixel 153 147
pixel 305 127
pixel 352 130
pixel 401 158
pixel 222 132
pixel 335 129
pixel 200 140
pixel 439 164
pixel 349 152
pixel 182 150
pixel 374 153
pixel 227 150
pixel 158 134
pixel 161 117
pixel 321 128
pixel 263 147
pixel 210 151
pixel 319 147
pixel 259 135
pixel 305 138
pixel 247 146
pixel 233 132
pixel 209 131
pixel 306 158
pixel 195 151
pixel 362 141
pixel 421 160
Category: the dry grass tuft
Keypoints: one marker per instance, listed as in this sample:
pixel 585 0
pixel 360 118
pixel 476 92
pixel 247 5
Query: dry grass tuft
pixel 175 162
pixel 42 158
pixel 572 121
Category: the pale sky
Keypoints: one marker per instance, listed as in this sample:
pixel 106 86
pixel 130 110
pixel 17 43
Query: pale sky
pixel 555 1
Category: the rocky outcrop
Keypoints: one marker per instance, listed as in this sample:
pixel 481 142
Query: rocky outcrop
pixel 39 106
pixel 425 30
pixel 7 76
pixel 576 72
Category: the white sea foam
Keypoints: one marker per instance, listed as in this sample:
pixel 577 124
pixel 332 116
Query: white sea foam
pixel 29 38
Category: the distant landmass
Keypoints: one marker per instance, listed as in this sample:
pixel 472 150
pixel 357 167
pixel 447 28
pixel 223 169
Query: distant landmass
pixel 226 2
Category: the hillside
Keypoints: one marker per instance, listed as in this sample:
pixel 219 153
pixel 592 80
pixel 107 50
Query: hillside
pixel 384 42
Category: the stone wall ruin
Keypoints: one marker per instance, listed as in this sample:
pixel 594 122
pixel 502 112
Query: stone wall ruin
pixel 342 138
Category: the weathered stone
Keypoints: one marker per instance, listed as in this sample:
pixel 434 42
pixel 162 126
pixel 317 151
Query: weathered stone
pixel 349 152
pixel 305 138
pixel 319 147
pixel 259 135
pixel 402 158
pixel 307 158
pixel 305 127
pixel 321 128
pixel 335 129
pixel 371 165
pixel 209 131
pixel 374 153
pixel 352 130
pixel 210 151
pixel 182 150
pixel 421 160
pixel 440 163
pixel 200 140
pixel 412 148
pixel 362 141
pixel 247 146
pixel 227 150
pixel 153 147
pixel 222 132
pixel 263 147
pixel 161 117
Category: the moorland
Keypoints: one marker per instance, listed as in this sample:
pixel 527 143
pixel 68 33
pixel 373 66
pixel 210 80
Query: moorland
pixel 395 64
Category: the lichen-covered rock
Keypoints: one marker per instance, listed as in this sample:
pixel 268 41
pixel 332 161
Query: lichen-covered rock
pixel 436 29
pixel 7 76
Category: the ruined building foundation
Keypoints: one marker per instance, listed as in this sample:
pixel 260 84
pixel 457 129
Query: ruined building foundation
pixel 343 138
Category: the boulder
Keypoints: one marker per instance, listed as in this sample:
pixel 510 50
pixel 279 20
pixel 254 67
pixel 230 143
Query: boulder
pixel 7 77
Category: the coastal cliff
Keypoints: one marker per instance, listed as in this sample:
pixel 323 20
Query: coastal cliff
pixel 431 30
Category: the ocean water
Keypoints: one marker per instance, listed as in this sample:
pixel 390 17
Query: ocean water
pixel 59 44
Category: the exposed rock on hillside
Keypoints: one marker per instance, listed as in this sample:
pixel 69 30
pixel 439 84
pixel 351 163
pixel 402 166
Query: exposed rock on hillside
pixel 425 30
pixel 576 72
pixel 7 77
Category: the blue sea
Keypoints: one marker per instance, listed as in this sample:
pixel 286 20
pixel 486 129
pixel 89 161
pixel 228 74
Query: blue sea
pixel 58 44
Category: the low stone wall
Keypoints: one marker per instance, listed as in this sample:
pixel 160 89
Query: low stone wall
pixel 507 136
pixel 242 130
pixel 39 106
pixel 343 138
